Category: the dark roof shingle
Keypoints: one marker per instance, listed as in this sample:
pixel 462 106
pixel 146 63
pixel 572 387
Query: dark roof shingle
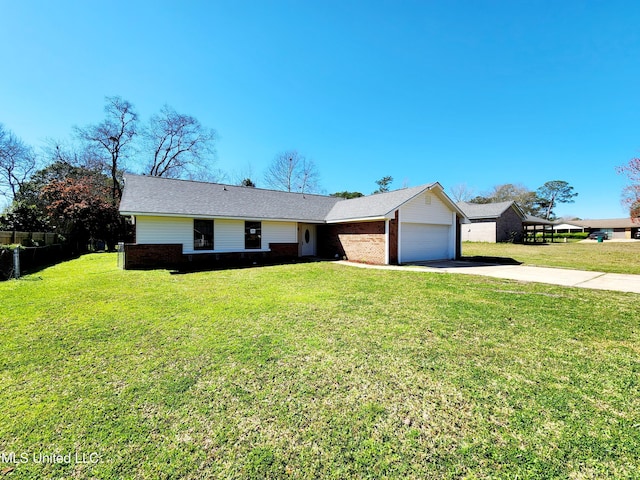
pixel 163 196
pixel 145 195
pixel 476 211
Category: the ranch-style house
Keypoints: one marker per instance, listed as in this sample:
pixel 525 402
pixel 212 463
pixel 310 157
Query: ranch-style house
pixel 180 223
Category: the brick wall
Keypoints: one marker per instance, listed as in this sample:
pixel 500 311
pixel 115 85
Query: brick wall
pixel 283 250
pixel 360 242
pixel 141 256
pixel 152 255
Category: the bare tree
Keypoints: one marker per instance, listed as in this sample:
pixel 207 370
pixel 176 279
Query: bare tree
pixel 308 178
pixel 112 139
pixel 631 192
pixel 461 193
pixel 17 163
pixel 244 176
pixel 57 151
pixel 292 172
pixel 180 145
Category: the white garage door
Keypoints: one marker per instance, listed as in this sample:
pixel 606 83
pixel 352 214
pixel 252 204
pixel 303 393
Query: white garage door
pixel 419 241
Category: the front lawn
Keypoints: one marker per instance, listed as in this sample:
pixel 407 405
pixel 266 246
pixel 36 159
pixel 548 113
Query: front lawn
pixel 609 257
pixel 314 371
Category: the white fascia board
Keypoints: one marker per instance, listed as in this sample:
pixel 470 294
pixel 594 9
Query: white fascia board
pixel 361 219
pixel 213 217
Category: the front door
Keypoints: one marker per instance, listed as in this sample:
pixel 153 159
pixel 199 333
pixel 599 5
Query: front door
pixel 307 239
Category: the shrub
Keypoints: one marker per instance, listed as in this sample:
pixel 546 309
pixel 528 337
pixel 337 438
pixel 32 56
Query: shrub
pixel 575 235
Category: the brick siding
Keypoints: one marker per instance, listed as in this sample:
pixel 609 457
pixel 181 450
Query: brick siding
pixel 152 255
pixel 360 242
pixel 143 256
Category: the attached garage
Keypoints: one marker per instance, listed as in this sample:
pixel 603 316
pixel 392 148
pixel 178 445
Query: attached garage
pixel 427 228
pixel 421 241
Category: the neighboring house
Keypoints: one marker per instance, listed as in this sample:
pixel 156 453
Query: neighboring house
pixel 493 222
pixel 614 227
pixel 569 227
pixel 180 221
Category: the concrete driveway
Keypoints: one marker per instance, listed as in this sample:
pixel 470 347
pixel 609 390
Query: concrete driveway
pixel 524 273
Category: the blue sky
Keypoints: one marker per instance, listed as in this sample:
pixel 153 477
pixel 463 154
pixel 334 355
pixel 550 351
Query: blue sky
pixel 474 92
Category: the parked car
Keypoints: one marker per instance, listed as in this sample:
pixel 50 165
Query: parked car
pixel 638 235
pixel 598 236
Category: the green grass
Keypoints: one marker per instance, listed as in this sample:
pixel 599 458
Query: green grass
pixel 315 371
pixel 609 257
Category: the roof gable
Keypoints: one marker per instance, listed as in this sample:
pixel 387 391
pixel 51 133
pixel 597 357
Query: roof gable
pixel 476 211
pixel 383 205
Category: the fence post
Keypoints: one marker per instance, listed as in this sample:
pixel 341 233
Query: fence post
pixel 121 259
pixel 16 262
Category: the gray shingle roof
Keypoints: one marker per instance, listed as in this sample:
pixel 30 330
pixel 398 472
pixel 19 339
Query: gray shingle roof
pixel 476 211
pixel 606 223
pixel 163 196
pixel 533 220
pixel 373 206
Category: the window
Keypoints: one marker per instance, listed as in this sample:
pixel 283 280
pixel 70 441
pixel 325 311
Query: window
pixel 203 234
pixel 252 235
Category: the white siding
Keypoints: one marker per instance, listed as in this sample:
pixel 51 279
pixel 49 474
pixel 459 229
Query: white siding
pixel 279 232
pixel 479 232
pixel 165 230
pixel 228 235
pixel 426 208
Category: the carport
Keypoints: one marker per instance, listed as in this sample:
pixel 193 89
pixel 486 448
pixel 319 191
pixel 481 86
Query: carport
pixel 533 226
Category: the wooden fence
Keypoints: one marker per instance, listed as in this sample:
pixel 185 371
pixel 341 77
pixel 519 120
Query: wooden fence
pixel 28 238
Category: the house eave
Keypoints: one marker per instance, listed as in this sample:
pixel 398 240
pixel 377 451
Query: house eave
pixel 221 217
pixel 360 219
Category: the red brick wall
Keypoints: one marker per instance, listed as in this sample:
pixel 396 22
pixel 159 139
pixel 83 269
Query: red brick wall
pixel 140 256
pixel 360 242
pixel 152 255
pixel 283 250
